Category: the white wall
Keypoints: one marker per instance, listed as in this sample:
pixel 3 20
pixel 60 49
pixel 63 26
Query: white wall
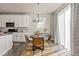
pixel 32 25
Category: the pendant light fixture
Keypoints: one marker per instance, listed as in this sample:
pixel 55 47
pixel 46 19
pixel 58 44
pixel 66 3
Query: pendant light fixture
pixel 37 18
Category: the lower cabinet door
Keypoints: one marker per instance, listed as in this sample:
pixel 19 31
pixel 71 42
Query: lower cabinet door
pixel 19 37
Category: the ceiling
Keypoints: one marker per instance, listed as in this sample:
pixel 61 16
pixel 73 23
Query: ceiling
pixel 29 7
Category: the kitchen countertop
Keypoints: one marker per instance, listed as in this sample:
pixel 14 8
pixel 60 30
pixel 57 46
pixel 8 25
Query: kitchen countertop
pixel 4 34
pixel 9 33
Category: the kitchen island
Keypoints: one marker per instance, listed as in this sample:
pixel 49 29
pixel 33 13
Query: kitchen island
pixel 5 43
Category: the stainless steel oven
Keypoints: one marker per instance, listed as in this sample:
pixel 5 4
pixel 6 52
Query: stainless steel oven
pixel 12 30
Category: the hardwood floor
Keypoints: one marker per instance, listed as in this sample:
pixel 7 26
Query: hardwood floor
pixel 18 48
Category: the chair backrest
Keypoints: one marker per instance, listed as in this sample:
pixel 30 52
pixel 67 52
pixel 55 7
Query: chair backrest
pixel 49 38
pixel 27 39
pixel 38 41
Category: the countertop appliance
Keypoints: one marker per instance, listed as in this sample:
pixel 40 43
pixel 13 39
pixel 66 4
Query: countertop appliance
pixel 10 24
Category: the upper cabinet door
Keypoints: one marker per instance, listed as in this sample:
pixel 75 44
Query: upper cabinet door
pixel 10 18
pixel 19 20
pixel 0 21
pixel 27 21
pixel 3 20
pixel 23 21
pixel 16 20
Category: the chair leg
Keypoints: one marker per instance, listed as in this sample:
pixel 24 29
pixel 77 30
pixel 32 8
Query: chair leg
pixel 33 52
pixel 41 48
pixel 33 48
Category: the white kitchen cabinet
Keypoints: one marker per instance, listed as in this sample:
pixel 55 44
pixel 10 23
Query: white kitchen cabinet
pixel 0 22
pixel 14 37
pixel 5 43
pixel 3 20
pixel 26 21
pixel 19 37
pixel 16 18
pixel 23 21
pixel 10 18
pixel 19 20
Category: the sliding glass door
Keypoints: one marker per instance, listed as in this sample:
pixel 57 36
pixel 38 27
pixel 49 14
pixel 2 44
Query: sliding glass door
pixel 64 27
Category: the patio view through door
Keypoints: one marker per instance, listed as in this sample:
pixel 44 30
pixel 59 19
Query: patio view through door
pixel 63 18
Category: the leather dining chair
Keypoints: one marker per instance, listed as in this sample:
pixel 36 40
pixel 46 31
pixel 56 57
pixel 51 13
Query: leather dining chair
pixel 38 43
pixel 27 39
pixel 49 39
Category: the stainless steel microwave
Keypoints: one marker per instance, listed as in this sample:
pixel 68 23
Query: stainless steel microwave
pixel 10 24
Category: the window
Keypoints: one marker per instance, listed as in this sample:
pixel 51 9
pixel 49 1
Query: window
pixel 64 27
pixel 67 29
pixel 61 28
pixel 41 24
